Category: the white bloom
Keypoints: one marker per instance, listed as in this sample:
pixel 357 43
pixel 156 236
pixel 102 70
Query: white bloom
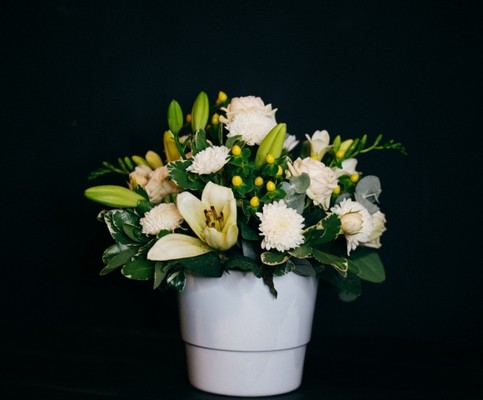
pixel 209 160
pixel 280 226
pixel 290 142
pixel 379 223
pixel 356 222
pixel 348 168
pixel 163 216
pixel 249 117
pixel 322 179
pixel 319 144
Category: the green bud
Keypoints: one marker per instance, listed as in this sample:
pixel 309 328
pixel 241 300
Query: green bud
pixel 153 159
pixel 175 117
pixel 200 112
pixel 113 196
pixel 139 160
pixel 344 146
pixel 271 144
pixel 336 143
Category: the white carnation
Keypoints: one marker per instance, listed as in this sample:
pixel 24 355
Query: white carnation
pixel 209 160
pixel 356 222
pixel 280 226
pixel 163 216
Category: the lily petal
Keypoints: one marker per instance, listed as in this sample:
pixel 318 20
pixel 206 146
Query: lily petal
pixel 192 210
pixel 216 195
pixel 175 246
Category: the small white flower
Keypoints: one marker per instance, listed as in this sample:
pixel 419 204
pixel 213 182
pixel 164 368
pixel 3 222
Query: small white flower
pixel 356 222
pixel 249 117
pixel 319 144
pixel 163 216
pixel 290 142
pixel 209 160
pixel 280 226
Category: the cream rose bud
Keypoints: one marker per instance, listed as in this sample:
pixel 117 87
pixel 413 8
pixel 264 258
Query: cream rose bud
pixel 247 103
pixel 379 223
pixel 351 223
pixel 322 179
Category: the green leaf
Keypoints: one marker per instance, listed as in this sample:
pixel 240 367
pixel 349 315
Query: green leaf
pixel 303 251
pixel 339 263
pixel 301 266
pixel 199 143
pixel 205 265
pixel 241 262
pixel 159 274
pixel 369 265
pixel 116 256
pixel 178 173
pixel 138 268
pixel 331 230
pixel 350 284
pixel 273 258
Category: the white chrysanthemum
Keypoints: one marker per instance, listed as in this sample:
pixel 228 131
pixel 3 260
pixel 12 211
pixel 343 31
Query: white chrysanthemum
pixel 356 222
pixel 280 226
pixel 163 216
pixel 209 160
pixel 253 126
pixel 250 118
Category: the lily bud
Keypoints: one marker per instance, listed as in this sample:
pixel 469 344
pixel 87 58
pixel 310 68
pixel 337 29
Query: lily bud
pixel 170 148
pixel 175 117
pixel 344 146
pixel 200 112
pixel 153 159
pixel 272 144
pixel 113 196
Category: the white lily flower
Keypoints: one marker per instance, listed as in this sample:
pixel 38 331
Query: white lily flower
pixel 212 219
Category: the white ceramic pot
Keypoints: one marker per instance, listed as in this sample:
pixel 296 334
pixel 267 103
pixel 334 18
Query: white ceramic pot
pixel 240 340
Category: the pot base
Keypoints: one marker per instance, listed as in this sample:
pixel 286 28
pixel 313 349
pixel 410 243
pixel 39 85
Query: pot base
pixel 245 373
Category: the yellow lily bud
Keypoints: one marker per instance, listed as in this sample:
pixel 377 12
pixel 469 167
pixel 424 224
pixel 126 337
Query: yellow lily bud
pixel 175 117
pixel 170 148
pixel 113 196
pixel 271 144
pixel 153 159
pixel 200 112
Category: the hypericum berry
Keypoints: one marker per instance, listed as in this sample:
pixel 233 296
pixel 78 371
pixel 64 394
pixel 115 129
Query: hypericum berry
pixel 271 186
pixel 270 159
pixel 279 171
pixel 254 201
pixel 215 119
pixel 236 180
pixel 236 150
pixel 258 181
pixel 336 190
pixel 354 178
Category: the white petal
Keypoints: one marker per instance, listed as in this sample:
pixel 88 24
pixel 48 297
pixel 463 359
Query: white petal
pixel 175 246
pixel 192 210
pixel 215 195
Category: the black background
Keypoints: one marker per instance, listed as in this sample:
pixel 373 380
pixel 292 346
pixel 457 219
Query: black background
pixel 85 82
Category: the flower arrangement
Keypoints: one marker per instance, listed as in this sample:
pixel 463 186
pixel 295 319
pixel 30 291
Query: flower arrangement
pixel 228 193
